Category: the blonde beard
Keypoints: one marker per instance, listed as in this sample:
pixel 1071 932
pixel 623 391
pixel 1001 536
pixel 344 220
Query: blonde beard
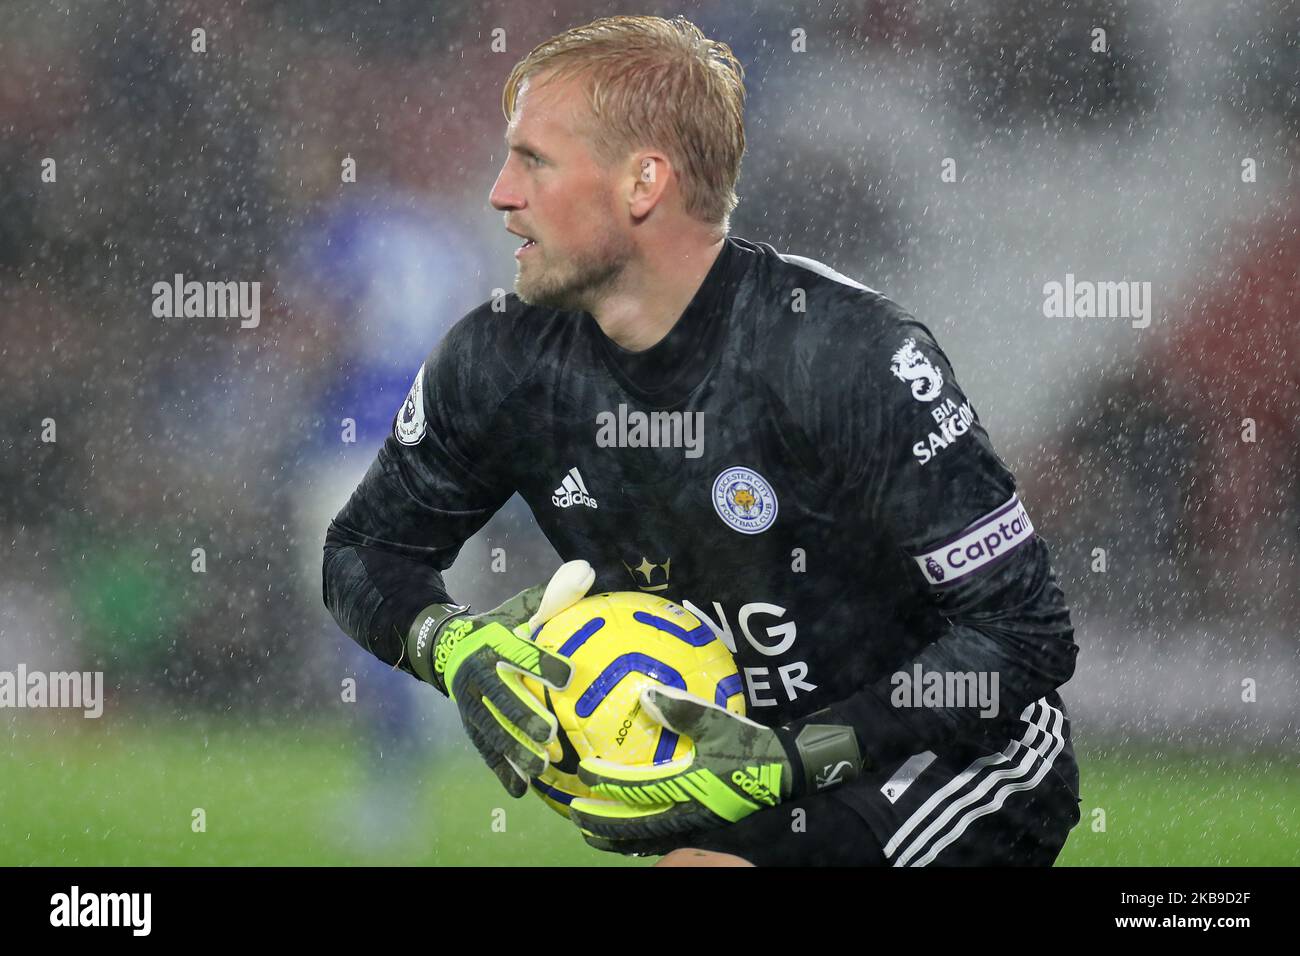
pixel 580 281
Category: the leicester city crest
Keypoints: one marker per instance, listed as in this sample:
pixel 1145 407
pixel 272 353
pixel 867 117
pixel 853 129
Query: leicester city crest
pixel 744 500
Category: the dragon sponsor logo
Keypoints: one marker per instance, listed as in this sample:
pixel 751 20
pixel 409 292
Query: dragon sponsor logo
pixel 909 365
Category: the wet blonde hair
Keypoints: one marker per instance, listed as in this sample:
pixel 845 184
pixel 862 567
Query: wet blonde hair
pixel 658 83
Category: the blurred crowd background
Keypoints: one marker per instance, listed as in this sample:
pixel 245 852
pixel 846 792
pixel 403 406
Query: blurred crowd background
pixel 177 434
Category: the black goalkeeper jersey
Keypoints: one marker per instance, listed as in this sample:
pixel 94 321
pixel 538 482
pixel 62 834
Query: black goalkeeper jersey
pixel 794 462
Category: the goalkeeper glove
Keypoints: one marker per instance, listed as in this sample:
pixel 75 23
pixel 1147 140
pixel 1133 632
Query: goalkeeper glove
pixel 735 767
pixel 479 662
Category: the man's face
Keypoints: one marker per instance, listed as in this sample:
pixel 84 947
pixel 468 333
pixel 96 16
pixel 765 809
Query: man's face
pixel 554 192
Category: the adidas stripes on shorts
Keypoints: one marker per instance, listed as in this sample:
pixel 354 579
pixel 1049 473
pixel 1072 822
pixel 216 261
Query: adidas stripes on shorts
pixel 1014 807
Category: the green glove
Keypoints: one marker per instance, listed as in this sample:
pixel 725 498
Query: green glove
pixel 479 662
pixel 736 767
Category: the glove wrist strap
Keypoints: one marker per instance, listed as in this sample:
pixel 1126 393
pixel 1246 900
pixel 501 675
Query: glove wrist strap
pixel 422 638
pixel 822 755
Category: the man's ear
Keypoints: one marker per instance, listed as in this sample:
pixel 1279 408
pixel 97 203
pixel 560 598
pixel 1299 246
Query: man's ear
pixel 650 173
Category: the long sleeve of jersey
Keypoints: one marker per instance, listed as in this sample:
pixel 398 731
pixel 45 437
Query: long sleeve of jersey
pixel 437 480
pixel 924 476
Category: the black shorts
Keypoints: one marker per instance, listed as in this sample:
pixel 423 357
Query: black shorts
pixel 969 808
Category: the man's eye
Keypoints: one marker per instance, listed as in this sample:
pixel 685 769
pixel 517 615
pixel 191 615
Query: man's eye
pixel 534 159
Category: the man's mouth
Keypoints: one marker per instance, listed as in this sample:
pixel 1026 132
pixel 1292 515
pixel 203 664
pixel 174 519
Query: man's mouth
pixel 528 244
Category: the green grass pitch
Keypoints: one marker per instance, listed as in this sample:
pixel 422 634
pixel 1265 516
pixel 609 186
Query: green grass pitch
pixel 82 795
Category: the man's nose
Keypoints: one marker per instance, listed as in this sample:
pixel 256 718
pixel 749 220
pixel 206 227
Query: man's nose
pixel 504 195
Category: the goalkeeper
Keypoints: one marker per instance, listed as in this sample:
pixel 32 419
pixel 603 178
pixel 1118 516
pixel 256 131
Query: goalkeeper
pixel 780 449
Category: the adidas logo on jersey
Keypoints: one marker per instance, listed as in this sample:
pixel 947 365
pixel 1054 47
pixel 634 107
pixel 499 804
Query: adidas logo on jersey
pixel 572 492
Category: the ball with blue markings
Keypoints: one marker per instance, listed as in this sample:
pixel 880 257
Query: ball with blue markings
pixel 619 643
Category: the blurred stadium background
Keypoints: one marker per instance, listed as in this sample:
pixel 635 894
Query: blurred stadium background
pixel 223 687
